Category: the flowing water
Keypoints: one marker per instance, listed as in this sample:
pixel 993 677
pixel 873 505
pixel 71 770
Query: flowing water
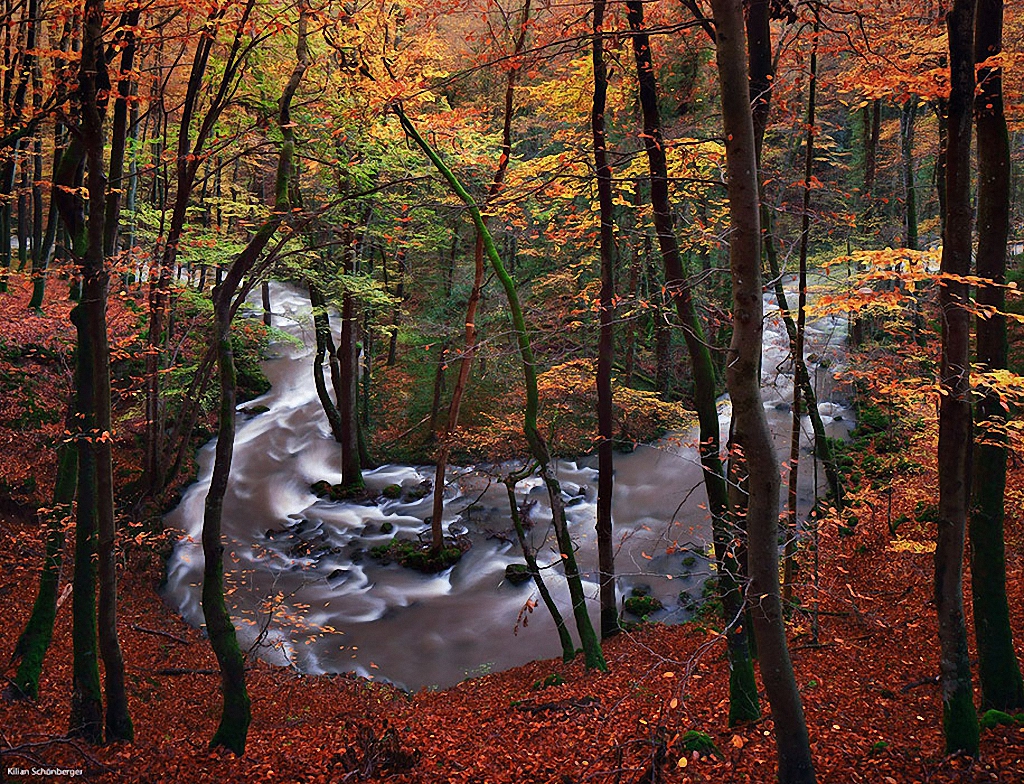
pixel 302 583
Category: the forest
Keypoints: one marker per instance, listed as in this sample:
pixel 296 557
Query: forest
pixel 512 391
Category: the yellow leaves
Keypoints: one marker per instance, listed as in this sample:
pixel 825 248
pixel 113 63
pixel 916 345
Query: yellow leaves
pixel 911 546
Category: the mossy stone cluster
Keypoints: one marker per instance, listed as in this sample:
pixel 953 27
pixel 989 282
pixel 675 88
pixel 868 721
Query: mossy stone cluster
pixel 416 555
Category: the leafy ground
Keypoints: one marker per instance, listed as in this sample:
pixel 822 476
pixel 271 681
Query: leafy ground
pixel 869 688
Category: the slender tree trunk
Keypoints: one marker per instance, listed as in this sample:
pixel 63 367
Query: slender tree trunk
pixel 908 116
pixel 95 277
pixel 568 648
pixel 593 656
pixel 801 320
pixel 396 318
pixel 960 722
pixel 189 158
pixel 1001 685
pixel 322 330
pixel 743 703
pixel 606 346
pixel 35 639
pixel 751 435
pixel 469 340
pixel 268 316
pixel 348 394
pixel 236 713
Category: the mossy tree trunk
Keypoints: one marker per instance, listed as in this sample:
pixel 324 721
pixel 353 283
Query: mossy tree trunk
pixel 35 638
pixel 236 713
pixel 1001 685
pixel 470 334
pixel 593 656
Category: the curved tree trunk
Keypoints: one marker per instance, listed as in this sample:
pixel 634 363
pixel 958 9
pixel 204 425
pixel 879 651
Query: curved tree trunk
pixel 469 341
pixel 593 656
pixel 568 648
pixel 236 712
pixel 751 435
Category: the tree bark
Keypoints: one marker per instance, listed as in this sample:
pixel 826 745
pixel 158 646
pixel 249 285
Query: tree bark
pixel 960 721
pixel 908 115
pixel 324 345
pixel 751 436
pixel 35 638
pixel 1001 685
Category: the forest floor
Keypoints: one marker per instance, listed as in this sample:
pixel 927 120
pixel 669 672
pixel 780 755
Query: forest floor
pixel 869 684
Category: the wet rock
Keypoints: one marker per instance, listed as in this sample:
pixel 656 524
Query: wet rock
pixel 517 573
pixel 419 492
pixel 392 492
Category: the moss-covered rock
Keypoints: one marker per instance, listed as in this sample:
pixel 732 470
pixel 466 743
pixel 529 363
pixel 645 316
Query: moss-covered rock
pixel 553 679
pixel 643 605
pixel 696 741
pixel 392 492
pixel 517 573
pixel 417 556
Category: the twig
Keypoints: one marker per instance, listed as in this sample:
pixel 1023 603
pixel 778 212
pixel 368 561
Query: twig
pixel 929 681
pixel 159 633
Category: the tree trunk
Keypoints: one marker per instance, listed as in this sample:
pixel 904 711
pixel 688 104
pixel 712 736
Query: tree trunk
pixel 236 712
pixel 743 690
pixel 907 117
pixel 568 648
pixel 606 346
pixel 324 344
pixel 189 158
pixel 35 639
pixel 268 316
pixel 1001 685
pixel 751 436
pixel 396 318
pixel 469 341
pixel 960 721
pixel 593 656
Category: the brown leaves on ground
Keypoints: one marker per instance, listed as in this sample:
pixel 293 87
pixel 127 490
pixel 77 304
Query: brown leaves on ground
pixel 869 688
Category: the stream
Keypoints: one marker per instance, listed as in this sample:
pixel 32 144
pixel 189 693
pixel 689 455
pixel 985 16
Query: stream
pixel 303 587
